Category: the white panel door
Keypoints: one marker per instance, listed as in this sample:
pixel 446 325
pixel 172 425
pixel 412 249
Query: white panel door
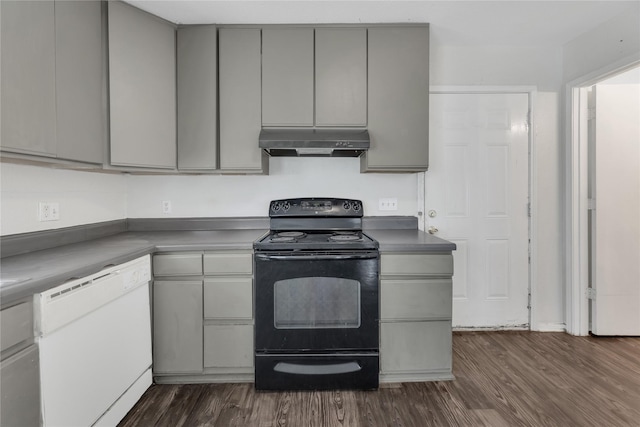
pixel 616 219
pixel 476 195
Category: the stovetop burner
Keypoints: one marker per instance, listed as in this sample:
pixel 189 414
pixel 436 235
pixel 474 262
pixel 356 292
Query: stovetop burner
pixel 345 238
pixel 291 234
pixel 313 224
pixel 283 239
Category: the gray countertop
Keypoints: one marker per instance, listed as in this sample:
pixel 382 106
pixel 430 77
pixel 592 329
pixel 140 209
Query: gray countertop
pixel 409 241
pixel 33 272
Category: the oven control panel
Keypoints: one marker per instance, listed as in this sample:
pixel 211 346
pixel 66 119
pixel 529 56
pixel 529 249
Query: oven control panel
pixel 310 207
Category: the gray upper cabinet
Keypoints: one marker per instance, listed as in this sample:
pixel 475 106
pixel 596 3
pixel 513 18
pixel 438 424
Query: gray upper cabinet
pixel 341 76
pixel 398 99
pixel 53 76
pixel 142 85
pixel 80 79
pixel 240 97
pixel 287 77
pixel 197 102
pixel 28 77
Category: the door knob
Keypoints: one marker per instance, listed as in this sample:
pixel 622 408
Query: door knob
pixel 432 213
pixel 433 230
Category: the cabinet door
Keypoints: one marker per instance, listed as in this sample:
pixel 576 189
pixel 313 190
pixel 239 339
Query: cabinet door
pixel 142 83
pixel 228 346
pixel 228 298
pixel 28 77
pixel 240 113
pixel 80 74
pixel 177 326
pixel 197 101
pixel 341 76
pixel 398 99
pixel 20 384
pixel 417 347
pixel 287 77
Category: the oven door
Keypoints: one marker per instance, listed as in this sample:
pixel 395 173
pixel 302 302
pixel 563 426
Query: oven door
pixel 316 302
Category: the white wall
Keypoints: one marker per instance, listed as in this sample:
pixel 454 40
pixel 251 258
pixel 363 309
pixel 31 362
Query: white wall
pixel 231 196
pixel 548 215
pixel 615 40
pixel 496 66
pixel 84 197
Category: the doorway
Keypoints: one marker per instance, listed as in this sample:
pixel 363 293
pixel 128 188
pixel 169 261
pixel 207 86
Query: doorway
pixel 476 195
pixel 614 205
pixel 603 222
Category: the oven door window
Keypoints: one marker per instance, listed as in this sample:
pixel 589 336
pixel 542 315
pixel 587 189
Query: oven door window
pixel 316 302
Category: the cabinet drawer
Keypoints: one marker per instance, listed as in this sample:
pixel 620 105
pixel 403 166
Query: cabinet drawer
pixel 415 346
pixel 228 346
pixel 403 264
pixel 228 263
pixel 415 299
pixel 177 264
pixel 16 324
pixel 228 298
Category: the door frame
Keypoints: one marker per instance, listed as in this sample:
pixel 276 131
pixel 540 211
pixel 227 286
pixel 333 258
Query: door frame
pixel 531 92
pixel 576 190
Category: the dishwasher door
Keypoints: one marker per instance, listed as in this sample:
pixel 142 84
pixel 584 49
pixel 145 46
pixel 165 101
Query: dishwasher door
pixel 95 345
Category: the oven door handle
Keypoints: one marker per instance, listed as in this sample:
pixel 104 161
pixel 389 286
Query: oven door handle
pixel 316 256
pixel 321 369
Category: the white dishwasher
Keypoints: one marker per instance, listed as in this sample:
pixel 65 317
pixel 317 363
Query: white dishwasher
pixel 95 346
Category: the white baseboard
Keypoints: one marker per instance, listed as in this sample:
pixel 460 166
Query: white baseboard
pixel 550 327
pixel 540 327
pixel 491 328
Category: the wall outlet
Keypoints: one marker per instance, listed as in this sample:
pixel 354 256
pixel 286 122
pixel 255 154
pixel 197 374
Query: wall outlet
pixel 48 211
pixel 388 204
pixel 166 206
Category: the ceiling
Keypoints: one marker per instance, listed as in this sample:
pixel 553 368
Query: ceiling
pixel 494 23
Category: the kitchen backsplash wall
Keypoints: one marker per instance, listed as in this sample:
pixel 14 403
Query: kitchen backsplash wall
pixel 83 197
pixel 238 196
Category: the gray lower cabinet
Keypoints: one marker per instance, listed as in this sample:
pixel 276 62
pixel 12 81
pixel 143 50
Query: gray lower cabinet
pixel 142 88
pixel 287 76
pixel 20 385
pixel 203 316
pixel 239 51
pixel 19 367
pixel 177 326
pixel 398 99
pixel 197 97
pixel 53 75
pixel 415 316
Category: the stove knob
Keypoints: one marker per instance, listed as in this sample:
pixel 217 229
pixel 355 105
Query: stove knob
pixel 356 206
pixel 286 206
pixel 276 207
pixel 346 205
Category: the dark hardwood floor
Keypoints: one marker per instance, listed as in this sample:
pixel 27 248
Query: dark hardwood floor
pixel 502 379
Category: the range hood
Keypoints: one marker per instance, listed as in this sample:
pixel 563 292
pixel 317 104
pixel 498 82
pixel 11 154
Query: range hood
pixel 314 142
